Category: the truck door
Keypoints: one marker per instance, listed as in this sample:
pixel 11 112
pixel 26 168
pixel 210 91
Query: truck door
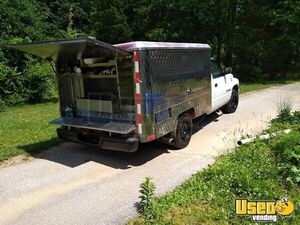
pixel 219 86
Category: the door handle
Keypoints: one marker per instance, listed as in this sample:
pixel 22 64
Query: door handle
pixel 216 85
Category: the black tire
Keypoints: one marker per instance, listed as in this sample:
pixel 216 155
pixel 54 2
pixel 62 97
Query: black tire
pixel 184 131
pixel 233 103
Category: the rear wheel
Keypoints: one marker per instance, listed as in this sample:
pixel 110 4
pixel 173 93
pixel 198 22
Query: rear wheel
pixel 233 103
pixel 183 131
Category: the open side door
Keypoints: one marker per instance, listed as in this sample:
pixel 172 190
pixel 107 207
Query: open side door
pixel 70 48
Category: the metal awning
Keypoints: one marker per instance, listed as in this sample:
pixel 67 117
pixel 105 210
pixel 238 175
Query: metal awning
pixel 88 47
pixel 109 126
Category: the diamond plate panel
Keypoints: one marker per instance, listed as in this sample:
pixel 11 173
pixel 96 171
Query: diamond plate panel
pixel 173 71
pixel 180 81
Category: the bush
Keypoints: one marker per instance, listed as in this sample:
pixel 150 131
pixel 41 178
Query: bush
pixel 35 84
pixel 12 88
pixel 15 99
pixel 2 105
pixel 40 81
pixel 256 74
pixel 287 152
pixel 287 147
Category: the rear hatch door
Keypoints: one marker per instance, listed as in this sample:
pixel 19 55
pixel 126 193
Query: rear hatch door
pixel 53 50
pixel 74 49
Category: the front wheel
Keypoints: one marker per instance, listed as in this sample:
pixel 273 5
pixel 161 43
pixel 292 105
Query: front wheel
pixel 183 131
pixel 233 103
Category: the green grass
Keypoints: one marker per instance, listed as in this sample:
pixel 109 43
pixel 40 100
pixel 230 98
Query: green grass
pixel 247 87
pixel 26 129
pixel 257 171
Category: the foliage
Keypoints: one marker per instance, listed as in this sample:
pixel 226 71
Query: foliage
pixel 259 39
pixel 2 105
pixel 110 23
pixel 287 151
pixel 287 148
pixel 284 108
pixel 20 21
pixel 147 189
pixel 23 19
pixel 11 85
pixel 71 32
pixel 35 84
pixel 259 170
pixel 39 82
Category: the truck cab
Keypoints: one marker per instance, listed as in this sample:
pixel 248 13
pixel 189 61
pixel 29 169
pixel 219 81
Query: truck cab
pixel 224 88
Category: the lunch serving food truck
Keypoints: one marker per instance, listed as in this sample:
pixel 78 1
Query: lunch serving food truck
pixel 116 96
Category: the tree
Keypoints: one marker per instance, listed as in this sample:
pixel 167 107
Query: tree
pixel 259 39
pixel 20 21
pixel 109 21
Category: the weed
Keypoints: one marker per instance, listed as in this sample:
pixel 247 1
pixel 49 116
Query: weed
pixel 284 108
pixel 147 189
pixel 287 152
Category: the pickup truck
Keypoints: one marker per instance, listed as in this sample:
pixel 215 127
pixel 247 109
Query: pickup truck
pixel 117 96
pixel 225 89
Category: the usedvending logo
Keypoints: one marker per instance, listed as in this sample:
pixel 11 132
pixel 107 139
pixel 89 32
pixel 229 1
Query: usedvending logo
pixel 264 211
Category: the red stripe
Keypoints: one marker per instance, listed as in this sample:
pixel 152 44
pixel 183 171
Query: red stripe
pixel 139 118
pixel 137 77
pixel 150 137
pixel 136 56
pixel 138 99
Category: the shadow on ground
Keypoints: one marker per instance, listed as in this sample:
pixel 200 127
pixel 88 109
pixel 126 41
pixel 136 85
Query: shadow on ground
pixel 73 155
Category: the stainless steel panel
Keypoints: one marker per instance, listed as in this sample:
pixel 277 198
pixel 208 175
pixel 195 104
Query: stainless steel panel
pixel 178 73
pixel 178 80
pixel 109 126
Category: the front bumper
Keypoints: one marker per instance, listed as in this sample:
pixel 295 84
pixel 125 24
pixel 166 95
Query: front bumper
pixel 124 144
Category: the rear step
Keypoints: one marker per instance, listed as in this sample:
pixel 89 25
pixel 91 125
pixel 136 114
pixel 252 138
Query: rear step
pixel 109 126
pixel 124 144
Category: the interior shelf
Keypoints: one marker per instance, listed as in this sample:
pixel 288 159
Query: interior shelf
pixel 106 64
pixel 100 76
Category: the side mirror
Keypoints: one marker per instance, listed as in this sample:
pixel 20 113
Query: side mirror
pixel 227 70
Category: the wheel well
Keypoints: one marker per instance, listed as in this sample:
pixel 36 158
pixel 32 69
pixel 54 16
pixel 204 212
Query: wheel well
pixel 236 87
pixel 190 111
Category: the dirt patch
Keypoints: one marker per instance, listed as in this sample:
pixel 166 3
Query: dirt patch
pixel 15 160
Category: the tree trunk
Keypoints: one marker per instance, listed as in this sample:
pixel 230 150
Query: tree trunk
pixel 231 18
pixel 218 31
